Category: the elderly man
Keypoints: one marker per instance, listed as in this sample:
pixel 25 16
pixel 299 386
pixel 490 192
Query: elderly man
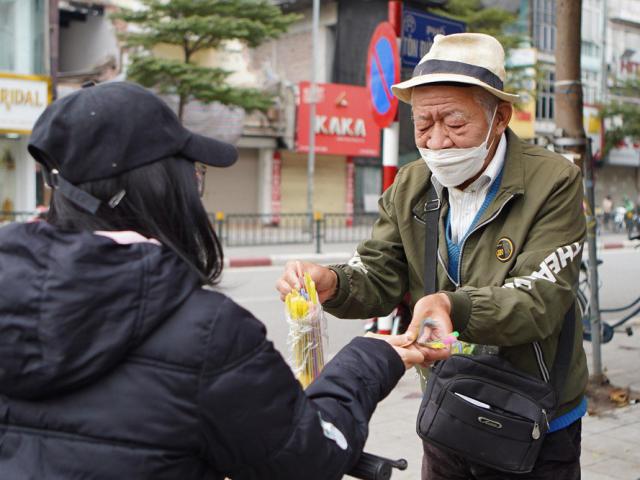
pixel 511 230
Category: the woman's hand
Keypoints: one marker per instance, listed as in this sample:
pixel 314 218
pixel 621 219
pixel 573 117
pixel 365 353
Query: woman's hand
pixel 410 354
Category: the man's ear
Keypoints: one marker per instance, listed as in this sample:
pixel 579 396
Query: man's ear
pixel 505 110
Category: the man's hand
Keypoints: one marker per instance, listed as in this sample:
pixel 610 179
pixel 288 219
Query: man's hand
pixel 410 354
pixel 325 279
pixel 437 308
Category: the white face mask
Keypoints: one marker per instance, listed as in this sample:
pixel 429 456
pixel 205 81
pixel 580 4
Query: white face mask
pixel 454 166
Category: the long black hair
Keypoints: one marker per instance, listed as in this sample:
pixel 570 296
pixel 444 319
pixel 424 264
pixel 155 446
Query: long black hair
pixel 161 201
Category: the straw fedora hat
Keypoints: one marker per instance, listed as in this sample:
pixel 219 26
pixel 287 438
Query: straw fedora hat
pixel 471 58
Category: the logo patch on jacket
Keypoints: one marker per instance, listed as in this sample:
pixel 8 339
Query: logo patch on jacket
pixel 504 249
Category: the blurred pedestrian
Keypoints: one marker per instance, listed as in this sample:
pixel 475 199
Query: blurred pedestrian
pixel 607 210
pixel 119 358
pixel 629 209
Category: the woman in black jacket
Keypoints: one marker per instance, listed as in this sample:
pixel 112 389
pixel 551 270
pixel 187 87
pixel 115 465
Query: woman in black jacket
pixel 117 358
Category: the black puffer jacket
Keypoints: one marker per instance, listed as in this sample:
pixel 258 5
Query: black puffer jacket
pixel 115 363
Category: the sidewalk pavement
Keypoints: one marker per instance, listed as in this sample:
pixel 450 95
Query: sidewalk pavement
pixel 610 438
pixel 267 255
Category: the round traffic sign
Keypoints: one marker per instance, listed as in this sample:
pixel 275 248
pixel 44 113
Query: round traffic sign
pixel 383 70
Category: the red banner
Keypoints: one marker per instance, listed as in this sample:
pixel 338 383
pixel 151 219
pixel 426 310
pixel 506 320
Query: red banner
pixel 344 122
pixel 276 170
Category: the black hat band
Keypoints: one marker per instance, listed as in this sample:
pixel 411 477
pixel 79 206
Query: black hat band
pixel 81 198
pixel 460 68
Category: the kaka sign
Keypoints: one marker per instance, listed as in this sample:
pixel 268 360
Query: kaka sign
pixel 344 123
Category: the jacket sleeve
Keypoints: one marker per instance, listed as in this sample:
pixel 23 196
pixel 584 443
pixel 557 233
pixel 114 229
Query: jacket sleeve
pixel 533 300
pixel 257 421
pixel 375 279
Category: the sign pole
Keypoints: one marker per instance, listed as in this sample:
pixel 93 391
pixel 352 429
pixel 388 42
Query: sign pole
pixel 383 70
pixel 311 159
pixel 391 134
pixel 390 147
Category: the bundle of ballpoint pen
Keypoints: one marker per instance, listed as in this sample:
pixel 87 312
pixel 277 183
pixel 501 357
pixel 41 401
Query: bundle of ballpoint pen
pixel 306 332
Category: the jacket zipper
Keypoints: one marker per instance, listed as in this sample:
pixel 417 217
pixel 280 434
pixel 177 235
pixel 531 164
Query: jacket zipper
pixel 440 259
pixel 536 346
pixel 480 225
pixel 544 371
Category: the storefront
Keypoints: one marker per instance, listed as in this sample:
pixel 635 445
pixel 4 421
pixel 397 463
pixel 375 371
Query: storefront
pixel 345 130
pixel 22 99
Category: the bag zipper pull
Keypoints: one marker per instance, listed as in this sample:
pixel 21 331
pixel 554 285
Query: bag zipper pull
pixel 536 431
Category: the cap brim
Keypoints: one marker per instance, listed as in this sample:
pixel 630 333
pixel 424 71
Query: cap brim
pixel 209 151
pixel 403 90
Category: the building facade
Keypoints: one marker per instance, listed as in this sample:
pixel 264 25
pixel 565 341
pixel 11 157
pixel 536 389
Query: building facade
pixel 620 172
pixel 24 93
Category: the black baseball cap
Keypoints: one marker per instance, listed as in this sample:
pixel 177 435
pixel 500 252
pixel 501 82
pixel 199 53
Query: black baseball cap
pixel 101 131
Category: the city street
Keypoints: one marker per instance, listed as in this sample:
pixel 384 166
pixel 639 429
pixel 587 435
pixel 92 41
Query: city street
pixel 294 129
pixel 393 425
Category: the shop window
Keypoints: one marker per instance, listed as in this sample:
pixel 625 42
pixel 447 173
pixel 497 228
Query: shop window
pixel 22 35
pixel 7 34
pixel 544 25
pixel 545 98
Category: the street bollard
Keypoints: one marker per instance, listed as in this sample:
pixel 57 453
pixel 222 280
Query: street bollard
pixel 318 217
pixel 220 225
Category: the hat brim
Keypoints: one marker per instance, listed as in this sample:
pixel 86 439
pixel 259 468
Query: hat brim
pixel 209 151
pixel 403 90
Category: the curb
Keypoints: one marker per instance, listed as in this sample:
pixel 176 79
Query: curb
pixel 271 260
pixel 622 244
pixel 342 257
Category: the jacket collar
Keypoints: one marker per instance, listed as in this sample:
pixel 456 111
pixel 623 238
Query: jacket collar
pixel 513 170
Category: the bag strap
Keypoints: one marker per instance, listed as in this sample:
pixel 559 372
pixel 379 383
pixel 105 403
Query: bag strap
pixel 431 218
pixel 562 361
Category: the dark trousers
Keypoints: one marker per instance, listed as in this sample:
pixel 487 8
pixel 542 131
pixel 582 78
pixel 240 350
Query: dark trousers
pixel 559 459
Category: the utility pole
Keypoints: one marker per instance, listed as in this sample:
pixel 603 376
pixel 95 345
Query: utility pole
pixel 311 159
pixel 571 138
pixel 568 84
pixel 54 41
pixel 391 134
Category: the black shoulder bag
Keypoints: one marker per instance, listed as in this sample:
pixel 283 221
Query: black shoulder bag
pixel 480 406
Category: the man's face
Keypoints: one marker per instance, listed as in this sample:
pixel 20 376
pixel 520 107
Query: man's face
pixel 447 117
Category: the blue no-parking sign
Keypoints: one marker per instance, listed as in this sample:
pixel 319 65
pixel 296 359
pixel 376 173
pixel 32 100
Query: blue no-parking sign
pixel 418 30
pixel 383 70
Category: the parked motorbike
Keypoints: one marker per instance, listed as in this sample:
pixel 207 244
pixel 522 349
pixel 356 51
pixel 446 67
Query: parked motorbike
pixel 395 323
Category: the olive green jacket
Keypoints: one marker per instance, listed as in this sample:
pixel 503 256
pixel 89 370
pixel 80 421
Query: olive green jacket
pixel 518 268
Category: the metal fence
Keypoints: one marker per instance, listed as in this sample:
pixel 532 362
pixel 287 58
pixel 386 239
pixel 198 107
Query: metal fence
pixel 253 229
pixel 13 216
pixel 343 228
pixel 292 228
pixel 248 229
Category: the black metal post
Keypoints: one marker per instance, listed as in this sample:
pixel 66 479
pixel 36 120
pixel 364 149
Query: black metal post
pixel 318 217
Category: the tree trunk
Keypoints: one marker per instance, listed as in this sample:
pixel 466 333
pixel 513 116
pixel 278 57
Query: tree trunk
pixel 182 101
pixel 568 87
pixel 568 117
pixel 54 41
pixel 181 104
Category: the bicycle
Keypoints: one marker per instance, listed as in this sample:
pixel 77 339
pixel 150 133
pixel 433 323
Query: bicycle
pixel 584 304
